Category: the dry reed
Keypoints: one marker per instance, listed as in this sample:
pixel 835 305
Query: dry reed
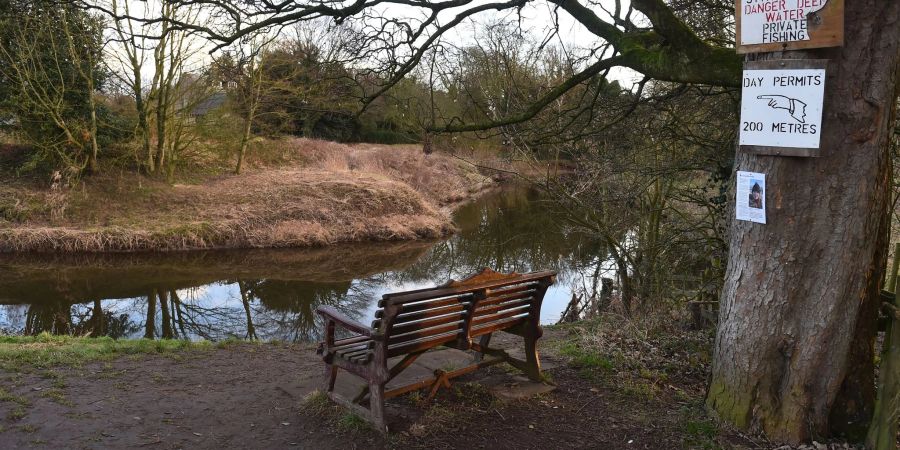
pixel 340 194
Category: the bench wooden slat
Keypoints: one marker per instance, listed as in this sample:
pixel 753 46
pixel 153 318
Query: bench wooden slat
pixel 414 346
pixel 354 352
pixel 348 348
pixel 412 317
pixel 493 300
pixel 350 340
pixel 497 326
pixel 502 307
pixel 436 303
pixel 406 327
pixel 506 290
pixel 479 320
pixel 411 296
pixel 426 332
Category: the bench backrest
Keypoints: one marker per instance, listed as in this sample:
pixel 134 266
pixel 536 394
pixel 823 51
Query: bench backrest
pixel 458 311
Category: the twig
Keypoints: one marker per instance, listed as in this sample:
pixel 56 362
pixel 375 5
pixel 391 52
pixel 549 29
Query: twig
pixel 588 403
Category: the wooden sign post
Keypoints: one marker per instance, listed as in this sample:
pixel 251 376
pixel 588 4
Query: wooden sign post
pixel 776 25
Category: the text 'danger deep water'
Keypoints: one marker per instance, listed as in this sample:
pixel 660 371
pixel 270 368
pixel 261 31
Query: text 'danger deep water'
pixel 773 21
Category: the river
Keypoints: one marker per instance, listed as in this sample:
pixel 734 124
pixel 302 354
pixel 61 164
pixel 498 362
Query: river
pixel 272 294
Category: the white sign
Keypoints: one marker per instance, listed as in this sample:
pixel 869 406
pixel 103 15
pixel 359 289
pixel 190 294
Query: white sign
pixel 774 21
pixel 751 197
pixel 782 108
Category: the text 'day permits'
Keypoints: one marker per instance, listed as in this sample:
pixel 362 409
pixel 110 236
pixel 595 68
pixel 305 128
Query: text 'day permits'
pixel 782 108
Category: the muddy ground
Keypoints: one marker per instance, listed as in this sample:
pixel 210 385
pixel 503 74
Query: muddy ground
pixel 245 395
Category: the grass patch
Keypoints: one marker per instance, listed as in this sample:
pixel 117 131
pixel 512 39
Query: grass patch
pixel 349 422
pixel 591 364
pixel 16 414
pixel 6 396
pixel 318 403
pixel 232 342
pixel 45 350
pixel 700 430
pixel 57 396
pixel 639 389
pixel 471 395
pixel 652 348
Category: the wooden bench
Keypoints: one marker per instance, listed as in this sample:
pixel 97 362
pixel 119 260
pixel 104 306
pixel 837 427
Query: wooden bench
pixel 458 314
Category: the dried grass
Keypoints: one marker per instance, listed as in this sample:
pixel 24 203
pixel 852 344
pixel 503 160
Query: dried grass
pixel 338 194
pixel 441 178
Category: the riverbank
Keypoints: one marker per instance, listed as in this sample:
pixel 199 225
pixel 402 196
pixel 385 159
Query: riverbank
pixel 619 385
pixel 302 193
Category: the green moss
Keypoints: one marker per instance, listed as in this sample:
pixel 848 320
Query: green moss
pixel 729 404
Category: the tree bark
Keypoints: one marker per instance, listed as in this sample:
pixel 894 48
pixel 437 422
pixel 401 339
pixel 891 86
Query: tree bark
pixel 795 346
pixel 166 320
pixel 245 142
pixel 150 324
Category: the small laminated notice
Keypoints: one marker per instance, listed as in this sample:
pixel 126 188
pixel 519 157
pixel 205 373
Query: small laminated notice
pixel 751 197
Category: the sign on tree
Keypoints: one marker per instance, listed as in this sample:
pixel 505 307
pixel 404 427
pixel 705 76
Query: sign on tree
pixel 774 25
pixel 781 106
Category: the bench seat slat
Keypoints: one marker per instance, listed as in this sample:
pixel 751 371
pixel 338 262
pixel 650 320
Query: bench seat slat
pixel 354 352
pixel 350 340
pixel 361 358
pixel 348 348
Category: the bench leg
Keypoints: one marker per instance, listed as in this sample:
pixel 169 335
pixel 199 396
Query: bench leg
pixel 330 377
pixel 376 406
pixel 533 362
pixel 483 342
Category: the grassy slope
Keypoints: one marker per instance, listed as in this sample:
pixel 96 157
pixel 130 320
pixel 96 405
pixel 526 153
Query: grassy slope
pixel 300 192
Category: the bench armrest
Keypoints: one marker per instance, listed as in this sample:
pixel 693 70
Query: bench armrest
pixel 332 314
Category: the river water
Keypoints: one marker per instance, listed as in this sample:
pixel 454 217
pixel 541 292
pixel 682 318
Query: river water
pixel 273 294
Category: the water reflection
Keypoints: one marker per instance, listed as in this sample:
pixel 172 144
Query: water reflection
pixel 272 294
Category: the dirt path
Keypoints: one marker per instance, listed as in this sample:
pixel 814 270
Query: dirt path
pixel 252 396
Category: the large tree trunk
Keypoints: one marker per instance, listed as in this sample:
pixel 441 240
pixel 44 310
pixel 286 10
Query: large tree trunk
pixel 794 349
